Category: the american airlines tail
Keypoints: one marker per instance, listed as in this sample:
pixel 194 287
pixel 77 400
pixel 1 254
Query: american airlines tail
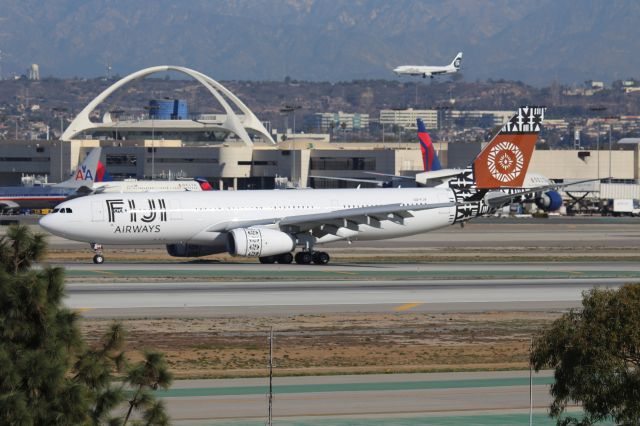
pixel 430 159
pixel 503 163
pixel 89 171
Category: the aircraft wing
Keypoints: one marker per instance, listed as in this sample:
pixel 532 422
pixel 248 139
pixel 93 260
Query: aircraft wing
pixel 345 179
pixel 370 215
pixel 498 198
pixel 390 175
pixel 8 204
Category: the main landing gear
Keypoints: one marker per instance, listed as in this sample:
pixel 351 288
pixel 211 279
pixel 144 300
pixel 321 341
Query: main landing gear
pixel 301 258
pixel 98 258
pixel 317 257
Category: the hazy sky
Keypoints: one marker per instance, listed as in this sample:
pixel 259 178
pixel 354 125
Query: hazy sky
pixel 532 41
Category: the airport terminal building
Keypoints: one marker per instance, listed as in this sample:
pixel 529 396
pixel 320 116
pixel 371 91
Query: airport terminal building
pixel 234 150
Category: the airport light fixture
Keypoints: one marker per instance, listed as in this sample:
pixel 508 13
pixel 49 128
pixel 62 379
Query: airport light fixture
pixel 599 109
pixel 61 112
pixel 290 109
pixel 152 110
pixel 116 112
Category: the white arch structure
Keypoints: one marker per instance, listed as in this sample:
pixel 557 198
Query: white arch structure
pixel 232 122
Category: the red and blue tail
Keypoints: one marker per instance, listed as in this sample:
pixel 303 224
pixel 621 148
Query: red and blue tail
pixel 429 157
pixel 102 175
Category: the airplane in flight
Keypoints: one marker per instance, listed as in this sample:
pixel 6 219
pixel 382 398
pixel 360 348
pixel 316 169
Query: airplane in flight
pixel 271 224
pixel 90 177
pixel 430 70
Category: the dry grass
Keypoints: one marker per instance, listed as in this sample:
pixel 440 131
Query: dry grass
pixel 336 344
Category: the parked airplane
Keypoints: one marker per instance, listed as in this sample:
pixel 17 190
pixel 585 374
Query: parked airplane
pixel 270 224
pixel 15 197
pixel 435 175
pixel 90 177
pixel 430 70
pixel 134 185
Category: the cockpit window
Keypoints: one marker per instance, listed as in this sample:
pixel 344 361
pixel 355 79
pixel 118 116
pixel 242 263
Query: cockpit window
pixel 56 210
pixel 68 210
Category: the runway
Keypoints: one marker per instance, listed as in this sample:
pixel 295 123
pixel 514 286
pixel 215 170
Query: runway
pixel 404 399
pixel 189 299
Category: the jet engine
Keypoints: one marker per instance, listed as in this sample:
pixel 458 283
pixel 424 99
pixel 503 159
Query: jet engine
pixel 194 250
pixel 550 201
pixel 259 242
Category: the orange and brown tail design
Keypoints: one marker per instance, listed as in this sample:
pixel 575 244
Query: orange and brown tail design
pixel 504 162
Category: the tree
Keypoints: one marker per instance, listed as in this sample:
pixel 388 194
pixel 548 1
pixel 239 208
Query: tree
pixel 595 353
pixel 48 374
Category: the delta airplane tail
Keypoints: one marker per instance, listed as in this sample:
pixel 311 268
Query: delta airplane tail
pixel 430 159
pixel 503 163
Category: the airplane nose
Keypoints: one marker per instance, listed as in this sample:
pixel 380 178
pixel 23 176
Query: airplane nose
pixel 48 223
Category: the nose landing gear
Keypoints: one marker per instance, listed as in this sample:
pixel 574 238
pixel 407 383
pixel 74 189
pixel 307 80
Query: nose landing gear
pixel 98 258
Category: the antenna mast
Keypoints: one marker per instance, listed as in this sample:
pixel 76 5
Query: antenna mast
pixel 270 394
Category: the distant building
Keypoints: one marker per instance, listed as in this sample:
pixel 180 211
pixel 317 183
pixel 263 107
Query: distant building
pixel 444 118
pixel 406 118
pixel 326 121
pixel 479 118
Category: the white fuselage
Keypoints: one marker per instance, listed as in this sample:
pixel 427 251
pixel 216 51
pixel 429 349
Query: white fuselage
pixel 425 70
pixel 146 186
pixel 201 217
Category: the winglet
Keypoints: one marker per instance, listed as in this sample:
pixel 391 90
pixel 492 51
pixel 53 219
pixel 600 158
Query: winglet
pixel 503 163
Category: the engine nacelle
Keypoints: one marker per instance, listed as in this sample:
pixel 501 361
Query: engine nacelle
pixel 550 201
pixel 258 242
pixel 194 250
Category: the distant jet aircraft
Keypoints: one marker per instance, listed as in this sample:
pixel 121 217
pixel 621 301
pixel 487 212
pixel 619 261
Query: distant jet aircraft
pixel 430 70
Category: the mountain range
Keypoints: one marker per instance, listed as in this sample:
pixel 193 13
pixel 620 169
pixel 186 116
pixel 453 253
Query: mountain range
pixel 536 42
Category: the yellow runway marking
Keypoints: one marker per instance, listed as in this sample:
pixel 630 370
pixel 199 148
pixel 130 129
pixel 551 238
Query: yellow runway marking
pixel 81 310
pixel 102 272
pixel 407 306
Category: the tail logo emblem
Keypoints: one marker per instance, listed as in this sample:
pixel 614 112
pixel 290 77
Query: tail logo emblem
pixel 505 161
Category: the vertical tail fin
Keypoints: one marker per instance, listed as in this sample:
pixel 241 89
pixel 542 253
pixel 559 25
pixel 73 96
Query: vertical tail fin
pixel 504 161
pixel 87 172
pixel 457 61
pixel 430 159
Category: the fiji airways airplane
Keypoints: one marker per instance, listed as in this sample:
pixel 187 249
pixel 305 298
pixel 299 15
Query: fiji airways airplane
pixel 430 70
pixel 271 224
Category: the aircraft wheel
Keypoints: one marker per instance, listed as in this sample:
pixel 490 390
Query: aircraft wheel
pixel 285 258
pixel 267 259
pixel 321 258
pixel 98 259
pixel 303 258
